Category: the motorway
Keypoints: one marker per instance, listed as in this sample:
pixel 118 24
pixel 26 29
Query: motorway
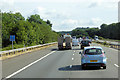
pixel 52 63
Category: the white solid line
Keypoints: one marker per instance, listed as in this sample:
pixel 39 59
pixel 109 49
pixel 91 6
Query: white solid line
pixel 72 58
pixel 29 65
pixel 116 65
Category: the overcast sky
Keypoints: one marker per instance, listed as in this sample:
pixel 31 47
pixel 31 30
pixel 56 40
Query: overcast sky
pixel 66 15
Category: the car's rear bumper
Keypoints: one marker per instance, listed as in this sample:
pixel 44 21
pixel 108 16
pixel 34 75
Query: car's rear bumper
pixel 94 64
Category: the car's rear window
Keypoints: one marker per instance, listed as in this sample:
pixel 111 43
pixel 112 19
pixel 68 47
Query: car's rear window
pixel 94 51
pixel 85 42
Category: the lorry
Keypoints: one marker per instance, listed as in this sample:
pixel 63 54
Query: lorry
pixel 65 42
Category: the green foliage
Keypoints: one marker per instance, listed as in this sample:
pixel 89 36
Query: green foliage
pixel 92 32
pixel 111 31
pixel 101 37
pixel 105 43
pixel 83 32
pixel 49 23
pixel 32 31
pixel 79 33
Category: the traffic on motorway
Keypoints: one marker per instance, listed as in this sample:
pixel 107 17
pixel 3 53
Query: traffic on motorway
pixel 90 56
pixel 65 60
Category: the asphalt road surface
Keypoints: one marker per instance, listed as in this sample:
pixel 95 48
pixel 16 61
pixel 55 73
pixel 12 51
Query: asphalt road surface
pixel 52 63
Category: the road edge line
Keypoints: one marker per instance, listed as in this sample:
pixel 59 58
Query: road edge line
pixel 116 65
pixel 29 65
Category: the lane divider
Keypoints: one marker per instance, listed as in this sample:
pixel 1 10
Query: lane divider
pixel 116 65
pixel 29 65
pixel 72 58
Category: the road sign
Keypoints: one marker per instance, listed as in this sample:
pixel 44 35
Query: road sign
pixel 12 37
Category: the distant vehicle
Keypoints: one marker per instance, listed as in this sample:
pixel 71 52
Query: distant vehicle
pixel 75 42
pixel 74 37
pixel 85 43
pixel 80 39
pixel 96 37
pixel 93 56
pixel 65 42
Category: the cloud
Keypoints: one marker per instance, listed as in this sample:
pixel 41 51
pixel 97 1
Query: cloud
pixel 46 13
pixel 66 25
pixel 69 21
pixel 95 21
pixel 6 3
pixel 91 22
pixel 95 4
pixel 70 24
pixel 106 3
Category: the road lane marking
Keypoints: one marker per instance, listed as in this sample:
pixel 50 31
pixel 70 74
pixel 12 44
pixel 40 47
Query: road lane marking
pixel 116 65
pixel 29 65
pixel 74 51
pixel 73 54
pixel 72 58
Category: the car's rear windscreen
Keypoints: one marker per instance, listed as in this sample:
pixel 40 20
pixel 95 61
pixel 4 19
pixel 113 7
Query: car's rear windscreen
pixel 93 51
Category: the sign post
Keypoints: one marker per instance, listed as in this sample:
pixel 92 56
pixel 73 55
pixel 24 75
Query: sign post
pixel 12 38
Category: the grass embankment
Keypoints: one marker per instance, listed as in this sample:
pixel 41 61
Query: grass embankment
pixel 16 46
pixel 104 43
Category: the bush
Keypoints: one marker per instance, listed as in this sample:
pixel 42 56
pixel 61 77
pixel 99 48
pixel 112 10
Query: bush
pixel 15 46
pixel 105 43
pixel 101 38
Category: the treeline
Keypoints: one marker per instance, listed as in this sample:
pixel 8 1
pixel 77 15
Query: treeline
pixel 28 32
pixel 83 32
pixel 111 31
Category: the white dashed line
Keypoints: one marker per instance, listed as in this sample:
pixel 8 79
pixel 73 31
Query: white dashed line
pixel 72 58
pixel 29 65
pixel 116 65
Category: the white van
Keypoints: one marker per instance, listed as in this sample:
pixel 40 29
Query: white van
pixel 75 42
pixel 96 37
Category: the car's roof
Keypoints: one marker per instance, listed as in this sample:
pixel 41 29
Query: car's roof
pixel 89 47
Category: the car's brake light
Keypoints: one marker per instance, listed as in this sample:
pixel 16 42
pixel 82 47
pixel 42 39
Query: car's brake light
pixel 89 44
pixel 102 55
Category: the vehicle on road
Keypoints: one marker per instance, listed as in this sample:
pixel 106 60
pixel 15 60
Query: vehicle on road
pixel 73 37
pixel 93 56
pixel 80 39
pixel 96 38
pixel 65 42
pixel 85 43
pixel 75 42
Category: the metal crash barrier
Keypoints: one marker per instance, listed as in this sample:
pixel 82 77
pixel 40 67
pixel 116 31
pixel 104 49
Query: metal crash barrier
pixel 111 45
pixel 16 52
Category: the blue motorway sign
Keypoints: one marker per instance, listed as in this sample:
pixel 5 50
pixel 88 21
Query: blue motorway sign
pixel 12 37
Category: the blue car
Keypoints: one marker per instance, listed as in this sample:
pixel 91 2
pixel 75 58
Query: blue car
pixel 93 56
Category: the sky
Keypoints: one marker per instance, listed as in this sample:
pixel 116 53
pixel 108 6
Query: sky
pixel 66 15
